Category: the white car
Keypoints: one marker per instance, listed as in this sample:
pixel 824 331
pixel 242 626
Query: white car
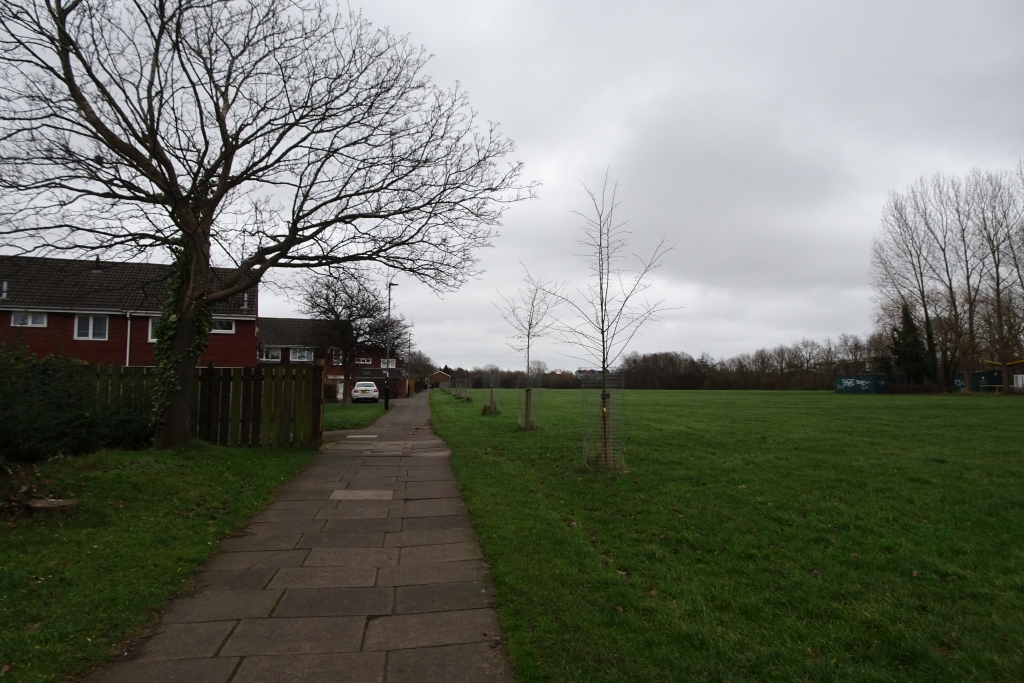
pixel 365 391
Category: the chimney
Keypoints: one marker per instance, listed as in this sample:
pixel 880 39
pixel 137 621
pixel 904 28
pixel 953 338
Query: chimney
pixel 96 267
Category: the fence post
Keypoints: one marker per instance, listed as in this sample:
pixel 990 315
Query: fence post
pixel 224 413
pixel 316 433
pixel 259 376
pixel 205 401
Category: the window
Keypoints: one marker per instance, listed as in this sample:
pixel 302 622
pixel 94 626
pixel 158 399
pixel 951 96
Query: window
pixel 271 353
pixel 224 326
pixel 336 357
pixel 364 361
pixel 28 319
pixel 91 327
pixel 301 355
pixel 153 324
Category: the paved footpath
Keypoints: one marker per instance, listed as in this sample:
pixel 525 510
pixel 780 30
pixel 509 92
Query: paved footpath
pixel 364 568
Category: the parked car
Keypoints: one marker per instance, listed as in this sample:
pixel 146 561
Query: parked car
pixel 365 391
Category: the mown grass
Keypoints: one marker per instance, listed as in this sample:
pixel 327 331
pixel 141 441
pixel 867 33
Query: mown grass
pixel 351 415
pixel 75 586
pixel 757 536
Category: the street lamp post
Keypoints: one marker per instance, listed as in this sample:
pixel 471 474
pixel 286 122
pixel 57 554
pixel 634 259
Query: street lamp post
pixel 387 352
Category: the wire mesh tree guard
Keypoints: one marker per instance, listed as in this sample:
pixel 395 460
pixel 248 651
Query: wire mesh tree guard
pixel 491 383
pixel 461 389
pixel 530 402
pixel 603 417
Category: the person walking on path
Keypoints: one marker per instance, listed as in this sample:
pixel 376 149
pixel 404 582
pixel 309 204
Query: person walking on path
pixel 364 568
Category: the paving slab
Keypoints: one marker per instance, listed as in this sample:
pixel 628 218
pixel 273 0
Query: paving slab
pixel 295 636
pixel 324 577
pixel 363 569
pixel 261 541
pixel 476 663
pixel 234 580
pixel 363 494
pixel 356 667
pixel 264 527
pixel 449 552
pixel 435 572
pixel 446 522
pixel 442 597
pixel 222 606
pixel 458 534
pixel 351 557
pixel 303 514
pixel 186 641
pixel 362 525
pixel 372 539
pixel 430 629
pixel 326 602
pixel 208 670
pixel 300 504
pixel 258 559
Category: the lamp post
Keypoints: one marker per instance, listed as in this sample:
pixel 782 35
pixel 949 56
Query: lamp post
pixel 387 351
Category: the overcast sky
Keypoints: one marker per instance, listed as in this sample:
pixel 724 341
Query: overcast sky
pixel 760 138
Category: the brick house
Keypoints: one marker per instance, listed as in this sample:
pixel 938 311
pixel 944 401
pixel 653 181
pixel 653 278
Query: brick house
pixel 105 312
pixel 439 378
pixel 290 341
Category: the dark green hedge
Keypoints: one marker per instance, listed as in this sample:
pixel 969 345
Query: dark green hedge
pixel 48 407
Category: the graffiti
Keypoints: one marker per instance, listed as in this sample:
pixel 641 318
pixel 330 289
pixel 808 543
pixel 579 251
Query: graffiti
pixel 868 384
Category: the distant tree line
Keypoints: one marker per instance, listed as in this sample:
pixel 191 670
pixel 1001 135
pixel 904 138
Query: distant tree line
pixel 805 364
pixel 948 272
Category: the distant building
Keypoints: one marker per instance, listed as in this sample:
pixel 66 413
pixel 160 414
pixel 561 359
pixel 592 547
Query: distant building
pixel 438 378
pixel 292 341
pixel 105 312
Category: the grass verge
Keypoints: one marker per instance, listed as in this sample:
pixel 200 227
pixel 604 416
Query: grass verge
pixel 758 536
pixel 351 415
pixel 75 586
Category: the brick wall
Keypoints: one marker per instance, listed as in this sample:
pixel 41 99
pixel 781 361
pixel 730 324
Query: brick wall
pixel 58 337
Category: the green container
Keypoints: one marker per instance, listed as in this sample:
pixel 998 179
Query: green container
pixel 862 384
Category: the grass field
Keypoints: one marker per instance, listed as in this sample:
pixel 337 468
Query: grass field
pixel 75 586
pixel 351 415
pixel 758 536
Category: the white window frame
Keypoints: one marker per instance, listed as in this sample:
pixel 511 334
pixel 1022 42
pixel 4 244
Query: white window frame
pixel 336 357
pixel 266 358
pixel 364 361
pixel 234 326
pixel 92 325
pixel 304 351
pixel 30 315
pixel 151 331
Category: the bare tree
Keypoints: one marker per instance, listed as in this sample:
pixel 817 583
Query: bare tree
pixel 253 134
pixel 609 311
pixel 353 312
pixel 528 311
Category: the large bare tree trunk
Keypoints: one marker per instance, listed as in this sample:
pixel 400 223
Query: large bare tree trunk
pixel 174 428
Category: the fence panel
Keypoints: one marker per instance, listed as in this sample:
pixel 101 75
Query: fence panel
pixel 280 406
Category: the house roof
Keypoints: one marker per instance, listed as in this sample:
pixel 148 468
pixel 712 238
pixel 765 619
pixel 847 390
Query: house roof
pixel 290 332
pixel 75 285
pixel 440 372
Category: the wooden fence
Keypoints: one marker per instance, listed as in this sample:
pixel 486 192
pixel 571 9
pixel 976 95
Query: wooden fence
pixel 275 406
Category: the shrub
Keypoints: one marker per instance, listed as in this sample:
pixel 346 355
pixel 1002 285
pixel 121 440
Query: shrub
pixel 48 407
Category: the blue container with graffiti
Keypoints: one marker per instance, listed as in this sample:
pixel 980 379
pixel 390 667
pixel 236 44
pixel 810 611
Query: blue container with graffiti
pixel 862 384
